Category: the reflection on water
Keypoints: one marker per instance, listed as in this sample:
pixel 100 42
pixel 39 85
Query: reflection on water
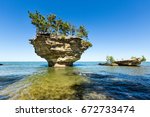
pixel 86 80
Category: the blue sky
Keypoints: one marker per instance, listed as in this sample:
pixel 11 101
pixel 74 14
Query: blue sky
pixel 120 28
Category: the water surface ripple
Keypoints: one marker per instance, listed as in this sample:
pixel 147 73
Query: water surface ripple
pixel 86 80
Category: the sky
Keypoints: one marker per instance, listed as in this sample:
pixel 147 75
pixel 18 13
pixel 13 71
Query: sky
pixel 120 28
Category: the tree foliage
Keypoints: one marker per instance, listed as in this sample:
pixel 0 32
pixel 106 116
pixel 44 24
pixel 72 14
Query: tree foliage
pixel 39 21
pixel 143 59
pixel 54 26
pixel 110 59
pixel 51 21
pixel 133 57
pixel 66 28
pixel 82 32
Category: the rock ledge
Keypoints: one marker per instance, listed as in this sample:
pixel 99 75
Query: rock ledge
pixel 59 51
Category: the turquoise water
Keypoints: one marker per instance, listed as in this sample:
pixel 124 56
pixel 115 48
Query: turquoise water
pixel 86 80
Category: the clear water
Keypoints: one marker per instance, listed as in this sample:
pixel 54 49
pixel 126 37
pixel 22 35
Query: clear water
pixel 86 80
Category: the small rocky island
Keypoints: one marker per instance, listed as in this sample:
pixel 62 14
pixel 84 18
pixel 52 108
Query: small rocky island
pixel 59 42
pixel 131 62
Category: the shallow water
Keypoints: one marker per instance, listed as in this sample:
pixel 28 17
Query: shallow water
pixel 86 80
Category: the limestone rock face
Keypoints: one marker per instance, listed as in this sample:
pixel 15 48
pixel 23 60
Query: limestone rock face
pixel 135 62
pixel 132 62
pixel 59 52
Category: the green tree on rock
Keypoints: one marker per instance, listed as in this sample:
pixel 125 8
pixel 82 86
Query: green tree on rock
pixel 51 20
pixel 66 28
pixel 56 27
pixel 39 21
pixel 110 59
pixel 73 30
pixel 82 32
pixel 143 59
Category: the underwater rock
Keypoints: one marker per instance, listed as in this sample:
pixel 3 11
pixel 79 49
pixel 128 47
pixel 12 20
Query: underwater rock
pixel 94 75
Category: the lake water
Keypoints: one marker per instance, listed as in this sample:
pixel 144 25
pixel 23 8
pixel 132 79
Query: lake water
pixel 86 80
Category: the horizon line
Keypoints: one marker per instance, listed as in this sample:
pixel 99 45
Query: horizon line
pixel 46 61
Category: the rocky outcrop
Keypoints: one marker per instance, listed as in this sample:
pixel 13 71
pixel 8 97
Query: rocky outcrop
pixel 59 51
pixel 130 62
pixel 1 64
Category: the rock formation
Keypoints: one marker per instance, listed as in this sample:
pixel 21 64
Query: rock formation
pixel 1 64
pixel 59 51
pixel 131 62
pixel 128 62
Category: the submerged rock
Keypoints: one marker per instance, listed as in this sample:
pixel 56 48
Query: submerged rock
pixel 108 64
pixel 95 75
pixel 59 51
pixel 96 96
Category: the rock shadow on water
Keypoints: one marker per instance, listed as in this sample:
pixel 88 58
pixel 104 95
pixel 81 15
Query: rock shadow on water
pixel 119 86
pixel 91 91
pixel 6 81
pixel 9 79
